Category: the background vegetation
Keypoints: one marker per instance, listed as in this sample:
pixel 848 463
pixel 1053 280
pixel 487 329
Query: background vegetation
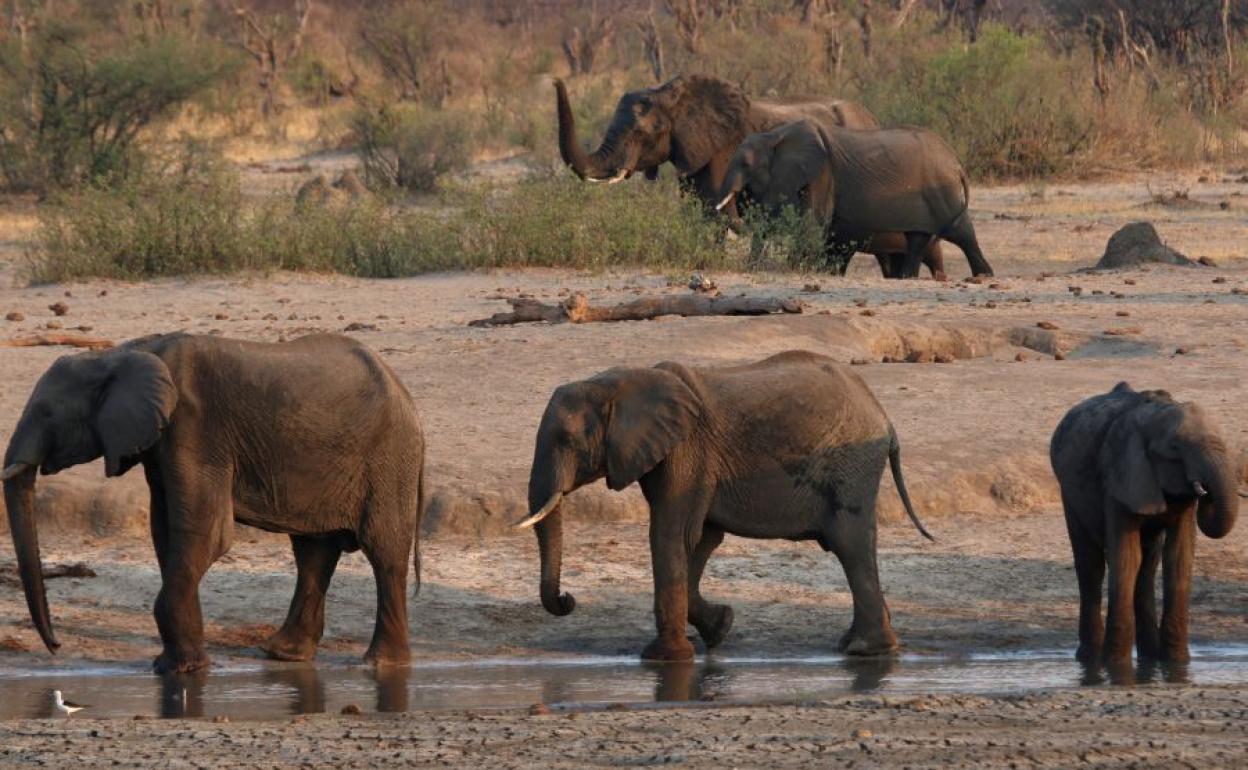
pixel 98 98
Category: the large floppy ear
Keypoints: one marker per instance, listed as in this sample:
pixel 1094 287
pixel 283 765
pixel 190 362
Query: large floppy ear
pixel 1129 475
pixel 709 118
pixel 798 157
pixel 137 401
pixel 652 411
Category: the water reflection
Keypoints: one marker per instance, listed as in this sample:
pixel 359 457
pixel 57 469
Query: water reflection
pixel 182 695
pixel 1126 673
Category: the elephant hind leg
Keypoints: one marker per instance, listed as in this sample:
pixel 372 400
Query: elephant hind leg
pixel 962 234
pixel 387 539
pixel 1090 571
pixel 298 637
pixel 1147 631
pixel 916 246
pixel 851 536
pixel 713 621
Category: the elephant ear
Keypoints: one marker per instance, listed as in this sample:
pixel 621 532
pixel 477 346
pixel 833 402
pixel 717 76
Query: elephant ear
pixel 798 157
pixel 653 411
pixel 709 118
pixel 138 399
pixel 1129 475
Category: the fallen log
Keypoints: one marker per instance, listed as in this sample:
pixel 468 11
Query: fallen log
pixel 576 309
pixel 73 340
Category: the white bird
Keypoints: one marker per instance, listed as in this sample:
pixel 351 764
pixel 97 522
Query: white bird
pixel 66 707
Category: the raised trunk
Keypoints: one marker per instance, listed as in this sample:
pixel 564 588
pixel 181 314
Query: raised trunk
pixel 549 542
pixel 593 166
pixel 19 499
pixel 1217 510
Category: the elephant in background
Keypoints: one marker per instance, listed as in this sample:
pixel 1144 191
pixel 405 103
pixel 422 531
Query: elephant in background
pixel 695 122
pixel 1134 467
pixel 860 184
pixel 316 438
pixel 724 451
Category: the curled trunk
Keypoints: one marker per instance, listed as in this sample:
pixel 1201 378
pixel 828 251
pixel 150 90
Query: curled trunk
pixel 1217 510
pixel 19 499
pixel 587 166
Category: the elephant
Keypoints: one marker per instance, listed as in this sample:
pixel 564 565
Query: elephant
pixel 1134 466
pixel 316 438
pixel 792 446
pixel 861 183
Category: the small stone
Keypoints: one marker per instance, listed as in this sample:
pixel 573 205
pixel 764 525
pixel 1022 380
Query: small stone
pixel 84 327
pixel 356 326
pixel 862 733
pixel 221 316
pixel 1046 325
pixel 351 709
pixel 1097 291
pixel 990 304
pixel 15 315
pixel 1181 351
pixel 1224 205
pixel 1220 279
pixel 859 362
pixel 53 324
pixel 1122 314
pixel 59 308
pixel 1129 281
pixel 811 288
pixel 539 709
pixel 1208 261
pixel 103 293
pixel 1059 356
pixel 1238 290
pixel 221 719
pixel 867 312
pixel 976 279
pixel 1019 357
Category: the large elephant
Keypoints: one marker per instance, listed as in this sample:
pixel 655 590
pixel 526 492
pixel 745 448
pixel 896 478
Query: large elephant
pixel 790 447
pixel 316 438
pixel 694 122
pixel 861 183
pixel 1134 466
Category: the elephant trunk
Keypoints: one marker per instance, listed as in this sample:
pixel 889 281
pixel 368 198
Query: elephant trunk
pixel 545 503
pixel 19 499
pixel 595 166
pixel 733 184
pixel 1219 506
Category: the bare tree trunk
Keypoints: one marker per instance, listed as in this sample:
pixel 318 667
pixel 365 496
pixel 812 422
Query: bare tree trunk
pixel 864 24
pixel 265 44
pixel 904 10
pixel 1226 39
pixel 576 309
pixel 653 44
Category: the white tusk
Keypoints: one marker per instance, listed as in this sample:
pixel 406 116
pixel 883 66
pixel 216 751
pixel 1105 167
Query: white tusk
pixel 727 199
pixel 14 470
pixel 1199 489
pixel 620 177
pixel 546 510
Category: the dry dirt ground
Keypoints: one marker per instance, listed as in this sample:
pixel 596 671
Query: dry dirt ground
pixel 974 437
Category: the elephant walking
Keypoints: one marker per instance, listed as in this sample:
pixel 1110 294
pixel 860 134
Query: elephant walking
pixel 1138 473
pixel 860 184
pixel 316 438
pixel 790 447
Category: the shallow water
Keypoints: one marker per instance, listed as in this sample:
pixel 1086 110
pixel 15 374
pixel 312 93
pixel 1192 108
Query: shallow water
pixel 267 691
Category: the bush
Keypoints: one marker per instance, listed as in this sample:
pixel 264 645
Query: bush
pixel 71 116
pixel 409 147
pixel 794 240
pixel 1008 106
pixel 194 220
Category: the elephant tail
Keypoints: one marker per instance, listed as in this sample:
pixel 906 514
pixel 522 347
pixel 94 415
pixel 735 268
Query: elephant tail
pixel 894 462
pixel 420 517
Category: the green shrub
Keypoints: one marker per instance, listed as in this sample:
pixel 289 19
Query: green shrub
pixel 71 114
pixel 409 147
pixel 794 240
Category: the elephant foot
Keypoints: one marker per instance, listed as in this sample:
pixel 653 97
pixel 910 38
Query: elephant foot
pixel 1176 654
pixel 714 631
pixel 882 642
pixel 388 655
pixel 668 650
pixel 1088 653
pixel 167 663
pixel 289 647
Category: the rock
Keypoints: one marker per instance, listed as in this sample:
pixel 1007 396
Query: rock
pixel 356 326
pixel 1208 261
pixel 1181 351
pixel 701 283
pixel 54 325
pixel 1136 244
pixel 867 312
pixel 539 709
pixel 1122 314
pixel 1059 356
pixel 811 288
pixel 944 358
pixel 1047 325
pixel 862 733
pixel 59 308
pixel 221 719
pixel 1219 279
pixel 15 315
pixel 221 316
pixel 351 709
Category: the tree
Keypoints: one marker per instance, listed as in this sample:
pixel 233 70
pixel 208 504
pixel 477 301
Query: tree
pixel 272 41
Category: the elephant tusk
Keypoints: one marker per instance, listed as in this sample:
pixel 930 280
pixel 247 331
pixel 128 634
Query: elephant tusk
pixel 727 199
pixel 1199 489
pixel 620 177
pixel 545 511
pixel 14 470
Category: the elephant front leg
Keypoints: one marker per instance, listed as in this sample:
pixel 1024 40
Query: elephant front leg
pixel 1090 571
pixel 1178 555
pixel 1147 636
pixel 713 621
pixel 1124 556
pixel 298 637
pixel 177 611
pixel 670 557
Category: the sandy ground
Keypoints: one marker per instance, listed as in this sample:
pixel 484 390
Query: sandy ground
pixel 974 435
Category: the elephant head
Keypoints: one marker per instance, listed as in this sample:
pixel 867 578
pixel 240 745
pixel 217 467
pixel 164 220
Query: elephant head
pixel 619 424
pixel 112 404
pixel 687 120
pixel 776 168
pixel 1165 450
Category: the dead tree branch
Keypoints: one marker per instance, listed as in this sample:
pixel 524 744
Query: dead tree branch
pixel 576 309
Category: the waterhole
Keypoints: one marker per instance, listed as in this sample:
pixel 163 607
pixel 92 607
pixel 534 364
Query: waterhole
pixel 271 691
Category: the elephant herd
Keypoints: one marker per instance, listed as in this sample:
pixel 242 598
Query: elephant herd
pixel 317 438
